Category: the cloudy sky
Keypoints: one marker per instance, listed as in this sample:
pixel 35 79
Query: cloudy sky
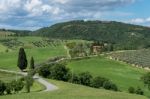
pixel 34 14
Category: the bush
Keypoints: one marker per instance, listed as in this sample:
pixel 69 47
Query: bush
pixel 98 82
pixel 75 79
pixel 45 71
pixel 85 78
pixel 131 90
pixel 139 91
pixel 2 87
pixel 110 86
pixel 60 72
pixel 17 85
pixel 146 79
pixel 9 88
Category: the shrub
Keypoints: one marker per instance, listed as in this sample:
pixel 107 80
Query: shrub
pixel 45 71
pixel 146 79
pixel 60 72
pixel 75 79
pixel 139 91
pixel 131 90
pixel 98 82
pixel 2 87
pixel 17 85
pixel 9 88
pixel 110 86
pixel 85 78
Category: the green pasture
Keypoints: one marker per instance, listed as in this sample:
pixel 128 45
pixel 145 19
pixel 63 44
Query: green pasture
pixel 122 74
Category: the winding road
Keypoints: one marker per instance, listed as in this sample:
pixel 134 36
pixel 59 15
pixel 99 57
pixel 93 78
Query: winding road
pixel 48 85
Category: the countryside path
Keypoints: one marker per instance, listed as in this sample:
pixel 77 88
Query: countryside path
pixel 49 86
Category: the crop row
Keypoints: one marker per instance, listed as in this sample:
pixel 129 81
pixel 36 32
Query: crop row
pixel 139 57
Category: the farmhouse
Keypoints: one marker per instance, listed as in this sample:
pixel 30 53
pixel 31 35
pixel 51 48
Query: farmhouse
pixel 97 48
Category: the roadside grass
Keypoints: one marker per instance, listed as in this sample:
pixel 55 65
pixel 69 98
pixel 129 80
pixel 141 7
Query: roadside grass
pixel 120 73
pixel 73 91
pixel 8 77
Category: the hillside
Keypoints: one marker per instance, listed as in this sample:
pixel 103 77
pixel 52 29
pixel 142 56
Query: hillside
pixel 8 32
pixel 117 72
pixel 138 58
pixel 73 91
pixel 121 35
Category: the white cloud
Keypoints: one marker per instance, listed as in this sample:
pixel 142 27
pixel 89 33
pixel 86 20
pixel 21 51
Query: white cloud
pixel 46 11
pixel 137 20
pixel 148 19
pixel 140 20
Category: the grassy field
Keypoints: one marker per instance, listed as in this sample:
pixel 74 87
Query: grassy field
pixel 120 73
pixel 8 60
pixel 72 91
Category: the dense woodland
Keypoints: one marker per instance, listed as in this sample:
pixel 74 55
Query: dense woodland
pixel 122 36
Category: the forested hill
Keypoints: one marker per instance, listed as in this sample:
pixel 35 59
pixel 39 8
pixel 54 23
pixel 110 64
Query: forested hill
pixel 121 35
pixel 15 32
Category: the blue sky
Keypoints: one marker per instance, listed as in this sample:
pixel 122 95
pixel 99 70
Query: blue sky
pixel 34 14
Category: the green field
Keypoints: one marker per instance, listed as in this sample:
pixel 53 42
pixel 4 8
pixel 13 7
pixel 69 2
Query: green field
pixel 43 49
pixel 8 60
pixel 72 91
pixel 120 73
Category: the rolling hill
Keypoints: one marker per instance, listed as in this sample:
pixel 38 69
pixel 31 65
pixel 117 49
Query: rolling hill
pixel 120 35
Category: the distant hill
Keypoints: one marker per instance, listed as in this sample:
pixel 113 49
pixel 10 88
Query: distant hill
pixel 120 35
pixel 7 32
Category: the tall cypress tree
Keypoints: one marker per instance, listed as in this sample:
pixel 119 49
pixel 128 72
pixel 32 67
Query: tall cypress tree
pixel 32 63
pixel 22 60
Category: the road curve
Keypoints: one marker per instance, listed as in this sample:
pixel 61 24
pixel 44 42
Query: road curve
pixel 49 86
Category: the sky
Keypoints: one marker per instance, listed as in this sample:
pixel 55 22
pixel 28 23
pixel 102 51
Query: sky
pixel 34 14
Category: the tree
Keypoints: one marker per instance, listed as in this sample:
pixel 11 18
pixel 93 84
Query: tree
pixel 110 86
pixel 28 82
pixel 2 87
pixel 98 82
pixel 131 90
pixel 22 60
pixel 60 72
pixel 139 91
pixel 85 78
pixel 32 63
pixel 146 79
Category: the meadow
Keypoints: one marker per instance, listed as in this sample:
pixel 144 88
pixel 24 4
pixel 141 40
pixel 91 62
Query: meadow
pixel 42 49
pixel 120 73
pixel 8 60
pixel 73 91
